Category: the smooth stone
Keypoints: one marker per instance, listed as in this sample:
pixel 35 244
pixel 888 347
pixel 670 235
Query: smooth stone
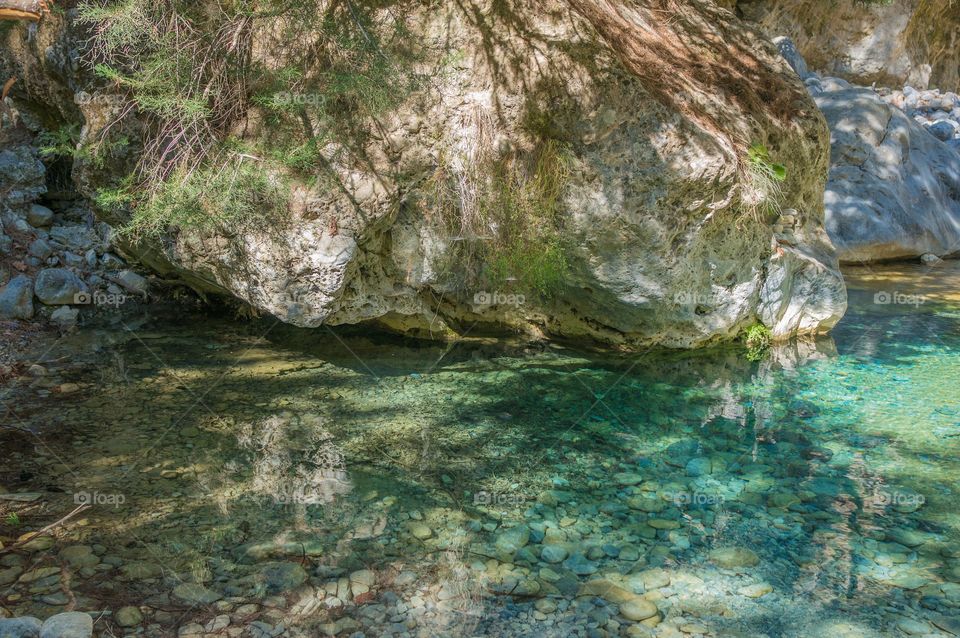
pixel 662 523
pixel 579 565
pixel 132 281
pixel 553 554
pixel 756 590
pixel 39 216
pixel 128 616
pixel 57 286
pixel 363 577
pixel 24 627
pixel 138 570
pixel 16 298
pixel 653 578
pixel 420 531
pixel 513 539
pixel 734 557
pixel 281 576
pixel 196 594
pixel 699 466
pixel 627 479
pixel 71 624
pixel 638 609
pixel 606 589
pixel 907 537
pixel 545 605
pixel 913 627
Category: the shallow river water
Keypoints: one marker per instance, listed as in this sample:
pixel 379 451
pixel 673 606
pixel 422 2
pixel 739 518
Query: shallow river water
pixel 256 480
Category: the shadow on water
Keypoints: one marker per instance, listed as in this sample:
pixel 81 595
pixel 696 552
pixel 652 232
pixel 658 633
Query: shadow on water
pixel 834 460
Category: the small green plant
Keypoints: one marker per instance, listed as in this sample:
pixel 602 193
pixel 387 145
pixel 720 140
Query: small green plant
pixel 760 161
pixel 62 142
pixel 763 182
pixel 757 339
pixel 233 194
pixel 12 519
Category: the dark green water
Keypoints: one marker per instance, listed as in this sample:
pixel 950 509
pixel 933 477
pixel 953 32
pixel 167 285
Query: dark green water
pixel 246 473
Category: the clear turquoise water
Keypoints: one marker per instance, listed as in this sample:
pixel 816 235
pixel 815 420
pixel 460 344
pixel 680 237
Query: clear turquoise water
pixel 235 447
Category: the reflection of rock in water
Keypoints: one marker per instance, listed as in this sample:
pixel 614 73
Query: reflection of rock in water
pixel 295 460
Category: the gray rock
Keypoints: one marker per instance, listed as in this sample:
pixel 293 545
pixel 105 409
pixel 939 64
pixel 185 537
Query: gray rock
pixel 6 244
pixel 65 318
pixel 553 554
pixel 281 576
pixel 789 52
pixel 21 176
pixel 648 219
pixel 39 216
pixel 76 237
pixel 942 130
pixel 72 624
pixel 195 594
pixel 58 286
pixel 24 627
pixel 72 260
pixel 16 299
pixel 893 190
pixel 40 249
pixel 132 281
pixel 579 565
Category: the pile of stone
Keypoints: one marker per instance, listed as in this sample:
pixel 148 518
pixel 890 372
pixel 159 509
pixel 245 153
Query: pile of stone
pixel 52 262
pixel 938 112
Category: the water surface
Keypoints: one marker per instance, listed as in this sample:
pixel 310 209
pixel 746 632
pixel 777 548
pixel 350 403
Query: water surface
pixel 295 482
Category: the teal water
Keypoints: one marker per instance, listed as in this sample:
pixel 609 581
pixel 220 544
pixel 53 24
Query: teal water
pixel 330 481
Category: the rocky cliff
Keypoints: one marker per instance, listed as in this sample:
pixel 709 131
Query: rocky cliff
pixel 637 174
pixel 894 185
pixel 891 43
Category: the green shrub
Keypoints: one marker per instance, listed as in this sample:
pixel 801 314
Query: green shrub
pixel 757 338
pixel 232 195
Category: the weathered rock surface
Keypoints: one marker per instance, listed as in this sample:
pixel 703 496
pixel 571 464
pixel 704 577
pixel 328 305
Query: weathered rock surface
pixel 72 624
pixel 25 627
pixel 889 43
pixel 894 188
pixel 57 286
pixel 666 237
pixel 16 298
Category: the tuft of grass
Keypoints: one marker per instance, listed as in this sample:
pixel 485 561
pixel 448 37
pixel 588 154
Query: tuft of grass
pixel 504 216
pixel 763 182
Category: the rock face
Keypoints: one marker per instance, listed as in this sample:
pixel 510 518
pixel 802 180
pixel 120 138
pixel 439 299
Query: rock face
pixel 667 235
pixel 16 298
pixel 894 187
pixel 892 43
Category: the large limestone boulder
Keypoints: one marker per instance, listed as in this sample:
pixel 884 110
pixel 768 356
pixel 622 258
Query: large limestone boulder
pixel 669 234
pixel 894 188
pixel 891 43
